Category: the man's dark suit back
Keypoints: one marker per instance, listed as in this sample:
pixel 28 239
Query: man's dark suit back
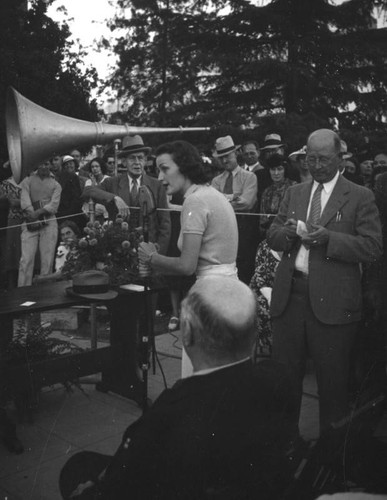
pixel 220 435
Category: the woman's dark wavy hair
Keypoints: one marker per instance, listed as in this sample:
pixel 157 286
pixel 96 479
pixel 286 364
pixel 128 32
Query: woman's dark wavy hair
pixel 100 162
pixel 72 225
pixel 278 160
pixel 187 158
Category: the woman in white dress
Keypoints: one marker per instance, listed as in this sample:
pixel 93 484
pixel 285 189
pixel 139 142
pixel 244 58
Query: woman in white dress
pixel 208 238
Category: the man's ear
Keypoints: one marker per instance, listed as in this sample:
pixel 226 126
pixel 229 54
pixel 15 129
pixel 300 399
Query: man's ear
pixel 186 332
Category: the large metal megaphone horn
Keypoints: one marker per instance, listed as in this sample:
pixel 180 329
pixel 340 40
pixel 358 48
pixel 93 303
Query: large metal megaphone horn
pixel 34 134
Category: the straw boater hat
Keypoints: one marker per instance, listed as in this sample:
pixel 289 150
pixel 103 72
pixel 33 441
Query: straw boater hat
pixel 300 152
pixel 272 141
pixel 91 284
pixel 132 144
pixel 66 159
pixel 224 146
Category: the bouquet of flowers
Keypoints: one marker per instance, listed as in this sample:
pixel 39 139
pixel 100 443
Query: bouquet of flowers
pixel 110 247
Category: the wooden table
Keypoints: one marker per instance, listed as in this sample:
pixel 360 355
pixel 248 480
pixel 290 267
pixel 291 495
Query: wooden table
pixel 25 378
pixel 117 362
pixel 44 297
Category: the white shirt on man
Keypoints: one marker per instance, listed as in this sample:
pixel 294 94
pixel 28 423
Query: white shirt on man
pixel 302 259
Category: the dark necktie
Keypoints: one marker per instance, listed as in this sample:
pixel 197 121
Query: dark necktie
pixel 315 208
pixel 134 193
pixel 228 185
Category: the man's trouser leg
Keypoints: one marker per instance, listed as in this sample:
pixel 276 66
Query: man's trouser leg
pixel 47 243
pixel 297 333
pixel 330 348
pixel 289 342
pixel 29 245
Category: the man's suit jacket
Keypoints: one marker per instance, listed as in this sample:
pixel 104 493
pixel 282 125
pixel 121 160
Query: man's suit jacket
pixel 353 222
pixel 220 435
pixel 159 221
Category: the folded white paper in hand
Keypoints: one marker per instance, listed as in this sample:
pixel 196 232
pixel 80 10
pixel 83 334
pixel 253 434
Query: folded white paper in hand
pixel 301 228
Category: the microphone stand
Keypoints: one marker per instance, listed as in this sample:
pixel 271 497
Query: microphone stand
pixel 93 306
pixel 146 326
pixel 117 144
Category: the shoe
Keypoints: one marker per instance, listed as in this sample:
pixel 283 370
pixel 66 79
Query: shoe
pixel 173 324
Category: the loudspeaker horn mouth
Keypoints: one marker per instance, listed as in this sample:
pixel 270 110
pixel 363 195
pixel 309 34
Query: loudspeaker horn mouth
pixel 35 134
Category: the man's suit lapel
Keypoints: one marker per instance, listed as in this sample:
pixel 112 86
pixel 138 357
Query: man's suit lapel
pixel 303 201
pixel 145 181
pixel 123 188
pixel 337 200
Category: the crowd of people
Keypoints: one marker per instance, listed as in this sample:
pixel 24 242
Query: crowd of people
pixel 304 231
pixel 252 180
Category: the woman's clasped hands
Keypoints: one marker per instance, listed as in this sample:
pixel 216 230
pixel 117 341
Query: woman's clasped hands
pixel 145 254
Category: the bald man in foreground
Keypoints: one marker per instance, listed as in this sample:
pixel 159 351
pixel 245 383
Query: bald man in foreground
pixel 221 433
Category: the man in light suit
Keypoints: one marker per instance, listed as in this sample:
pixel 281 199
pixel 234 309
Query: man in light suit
pixel 221 433
pixel 140 192
pixel 240 188
pixel 325 228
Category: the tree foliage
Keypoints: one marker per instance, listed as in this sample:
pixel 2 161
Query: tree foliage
pixel 184 61
pixel 37 58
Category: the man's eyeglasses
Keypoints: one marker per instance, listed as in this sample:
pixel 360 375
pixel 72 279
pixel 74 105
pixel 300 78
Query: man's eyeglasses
pixel 323 161
pixel 136 158
pixel 110 162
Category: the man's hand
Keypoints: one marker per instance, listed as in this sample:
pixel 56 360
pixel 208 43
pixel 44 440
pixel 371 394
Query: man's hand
pixel 290 229
pixel 122 207
pixel 319 236
pixel 33 216
pixel 81 488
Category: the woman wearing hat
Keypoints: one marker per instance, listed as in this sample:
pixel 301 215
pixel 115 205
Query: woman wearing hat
pixel 208 238
pixel 273 195
pixel 97 173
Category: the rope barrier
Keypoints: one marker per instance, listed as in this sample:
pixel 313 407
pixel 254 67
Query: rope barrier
pixel 66 217
pixel 48 220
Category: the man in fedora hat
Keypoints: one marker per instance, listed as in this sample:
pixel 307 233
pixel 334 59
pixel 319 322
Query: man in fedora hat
pixel 240 187
pixel 123 191
pixel 272 145
pixel 131 193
